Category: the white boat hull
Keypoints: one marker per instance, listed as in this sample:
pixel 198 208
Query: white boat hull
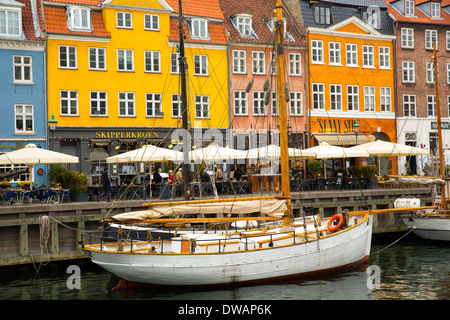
pixel 436 228
pixel 341 250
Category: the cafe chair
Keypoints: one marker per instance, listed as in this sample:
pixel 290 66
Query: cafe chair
pixel 10 196
pixel 65 195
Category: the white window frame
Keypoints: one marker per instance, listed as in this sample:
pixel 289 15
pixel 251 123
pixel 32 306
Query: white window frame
pixel 176 105
pixel 127 100
pixel 322 14
pixel 407 38
pixel 447 35
pixel 369 99
pixel 431 106
pixel 153 105
pixel 352 98
pixel 23 65
pixel 318 94
pixel 351 54
pixel 244 25
pixel 429 72
pixel 199 29
pixel 408 67
pixel 317 52
pixel 336 97
pixel 275 103
pixel 240 103
pixel 124 20
pixel 296 103
pixel 334 52
pixel 94 58
pixel 259 107
pixel 435 10
pixel 239 61
pixel 200 65
pixel 71 101
pixel 13 23
pixel 96 101
pixel 409 8
pixel 295 64
pixel 24 116
pixel 385 99
pixel 152 61
pixel 77 15
pixel 151 22
pixel 384 57
pixel 202 107
pixel 70 61
pixel 448 73
pixel 127 54
pixel 409 105
pixel 174 63
pixel 258 62
pixel 431 35
pixel 368 56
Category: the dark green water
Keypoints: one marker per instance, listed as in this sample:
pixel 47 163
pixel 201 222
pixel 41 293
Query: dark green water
pixel 410 270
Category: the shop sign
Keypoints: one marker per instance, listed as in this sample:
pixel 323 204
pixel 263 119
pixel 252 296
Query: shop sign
pixel 126 134
pixel 444 125
pixel 333 125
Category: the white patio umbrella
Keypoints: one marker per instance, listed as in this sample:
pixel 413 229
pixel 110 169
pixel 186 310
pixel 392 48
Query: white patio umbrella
pixel 148 153
pixel 215 153
pixel 273 151
pixel 31 155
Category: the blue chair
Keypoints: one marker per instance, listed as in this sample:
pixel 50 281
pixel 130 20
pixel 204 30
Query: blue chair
pixel 65 195
pixel 10 196
pixel 26 195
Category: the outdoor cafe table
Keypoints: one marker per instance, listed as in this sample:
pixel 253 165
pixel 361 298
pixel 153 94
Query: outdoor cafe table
pixel 266 182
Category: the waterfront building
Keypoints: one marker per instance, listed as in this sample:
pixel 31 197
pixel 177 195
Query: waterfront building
pixel 113 81
pixel 22 81
pixel 350 74
pixel 417 24
pixel 252 57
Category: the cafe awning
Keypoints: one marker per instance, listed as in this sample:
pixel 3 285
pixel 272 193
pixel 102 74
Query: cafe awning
pixel 341 139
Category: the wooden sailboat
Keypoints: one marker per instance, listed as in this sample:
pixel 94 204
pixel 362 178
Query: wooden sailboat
pixel 279 251
pixel 434 224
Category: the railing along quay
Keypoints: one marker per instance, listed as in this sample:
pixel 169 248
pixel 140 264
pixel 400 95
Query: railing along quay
pixel 24 239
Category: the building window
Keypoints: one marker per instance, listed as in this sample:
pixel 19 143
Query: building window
pixel 67 57
pixel 176 105
pixel 431 106
pixel 152 61
pixel 448 73
pixel 369 98
pixel 174 63
pixel 244 26
pixel 409 105
pixel 371 16
pixel 322 14
pixel 151 22
pixel 430 37
pixel 448 40
pixel 258 103
pixel 368 57
pixel 99 103
pixel 318 91
pixel 385 99
pixel 274 103
pixel 79 18
pixel 409 8
pixel 153 102
pixel 296 103
pixel 352 54
pixel 435 10
pixel 334 50
pixel 200 65
pixel 125 60
pixel 97 59
pixel 199 29
pixel 384 57
pixel 273 63
pixel 317 51
pixel 407 38
pixel 259 62
pixel 126 104
pixel 239 62
pixel 69 102
pixel 352 98
pixel 287 35
pixel 201 107
pixel 408 71
pixel 430 72
pixel 295 64
pixel 24 118
pixel 124 20
pixel 240 103
pixel 10 23
pixel 23 69
pixel 335 97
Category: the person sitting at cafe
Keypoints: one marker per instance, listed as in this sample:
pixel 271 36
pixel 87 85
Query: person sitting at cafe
pixel 232 174
pixel 218 174
pixel 156 179
pixel 205 177
pixel 179 175
pixel 238 174
pixel 171 178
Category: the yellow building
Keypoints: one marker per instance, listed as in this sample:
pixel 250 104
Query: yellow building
pixel 113 81
pixel 351 81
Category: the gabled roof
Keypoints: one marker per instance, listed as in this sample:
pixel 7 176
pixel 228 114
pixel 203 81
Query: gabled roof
pixel 261 11
pixel 78 2
pixel 419 16
pixel 216 32
pixel 32 22
pixel 198 8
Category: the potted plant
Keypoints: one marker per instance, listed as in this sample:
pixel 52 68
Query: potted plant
pixel 370 172
pixel 76 182
pixel 314 167
pixel 5 184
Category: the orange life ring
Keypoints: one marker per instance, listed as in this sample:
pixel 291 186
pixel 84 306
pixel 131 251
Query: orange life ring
pixel 338 225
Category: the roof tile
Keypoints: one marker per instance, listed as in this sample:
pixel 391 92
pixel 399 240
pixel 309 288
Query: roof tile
pixel 199 8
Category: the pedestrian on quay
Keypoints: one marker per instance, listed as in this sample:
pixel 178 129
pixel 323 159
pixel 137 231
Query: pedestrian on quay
pixel 106 185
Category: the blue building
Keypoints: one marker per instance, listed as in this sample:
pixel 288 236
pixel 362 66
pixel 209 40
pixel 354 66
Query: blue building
pixel 22 80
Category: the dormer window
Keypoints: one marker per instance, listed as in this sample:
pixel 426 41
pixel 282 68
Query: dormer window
pixel 199 29
pixel 409 8
pixel 271 24
pixel 322 14
pixel 79 18
pixel 435 10
pixel 11 22
pixel 371 16
pixel 243 23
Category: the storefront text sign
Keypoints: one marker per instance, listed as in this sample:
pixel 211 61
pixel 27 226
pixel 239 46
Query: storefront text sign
pixel 126 134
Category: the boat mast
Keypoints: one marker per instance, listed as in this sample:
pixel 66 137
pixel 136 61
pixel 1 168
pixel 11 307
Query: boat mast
pixel 439 125
pixel 184 114
pixel 281 83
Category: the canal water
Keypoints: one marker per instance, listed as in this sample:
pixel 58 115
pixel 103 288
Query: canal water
pixel 410 269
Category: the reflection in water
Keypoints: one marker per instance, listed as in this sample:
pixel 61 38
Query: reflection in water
pixel 410 269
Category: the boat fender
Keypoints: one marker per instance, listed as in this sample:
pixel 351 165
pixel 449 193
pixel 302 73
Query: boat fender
pixel 333 225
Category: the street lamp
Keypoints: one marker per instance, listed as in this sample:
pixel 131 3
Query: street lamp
pixel 52 123
pixel 356 130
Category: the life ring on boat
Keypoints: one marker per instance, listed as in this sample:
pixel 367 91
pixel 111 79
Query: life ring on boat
pixel 332 226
